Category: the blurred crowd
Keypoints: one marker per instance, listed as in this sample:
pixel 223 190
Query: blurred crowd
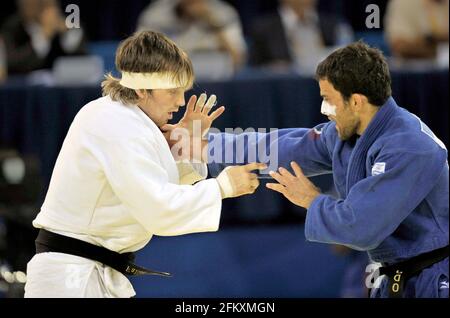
pixel 293 36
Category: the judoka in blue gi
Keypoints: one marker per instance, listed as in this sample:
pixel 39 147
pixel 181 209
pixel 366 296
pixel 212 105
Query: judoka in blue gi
pixel 389 169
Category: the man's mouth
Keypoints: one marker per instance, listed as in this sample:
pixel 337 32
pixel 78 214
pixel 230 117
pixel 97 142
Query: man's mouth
pixel 171 113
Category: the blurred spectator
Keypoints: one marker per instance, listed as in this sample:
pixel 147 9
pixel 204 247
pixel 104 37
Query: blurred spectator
pixel 198 26
pixel 37 35
pixel 296 35
pixel 415 28
pixel 2 61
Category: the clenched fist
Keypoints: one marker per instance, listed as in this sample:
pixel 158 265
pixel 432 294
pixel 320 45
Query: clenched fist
pixel 239 180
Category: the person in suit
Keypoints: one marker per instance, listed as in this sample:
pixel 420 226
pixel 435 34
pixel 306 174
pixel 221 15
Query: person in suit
pixel 37 35
pixel 198 26
pixel 295 34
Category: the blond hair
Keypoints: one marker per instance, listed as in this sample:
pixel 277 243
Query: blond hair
pixel 148 52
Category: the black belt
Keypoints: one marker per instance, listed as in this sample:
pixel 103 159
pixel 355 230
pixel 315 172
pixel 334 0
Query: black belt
pixel 400 272
pixel 52 242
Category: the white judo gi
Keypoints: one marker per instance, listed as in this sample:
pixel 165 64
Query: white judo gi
pixel 115 184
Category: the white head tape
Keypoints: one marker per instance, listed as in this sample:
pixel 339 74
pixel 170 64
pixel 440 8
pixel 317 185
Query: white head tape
pixel 148 81
pixel 328 109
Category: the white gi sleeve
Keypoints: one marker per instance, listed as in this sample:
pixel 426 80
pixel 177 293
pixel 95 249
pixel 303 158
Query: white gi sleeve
pixel 191 173
pixel 139 180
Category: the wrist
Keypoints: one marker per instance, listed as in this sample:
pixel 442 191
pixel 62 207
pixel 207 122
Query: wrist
pixel 311 199
pixel 225 185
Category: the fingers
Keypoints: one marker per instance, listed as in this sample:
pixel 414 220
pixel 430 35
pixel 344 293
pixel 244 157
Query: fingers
pixel 254 184
pixel 297 170
pixel 255 166
pixel 209 104
pixel 243 182
pixel 285 173
pixel 168 127
pixel 253 181
pixel 200 103
pixel 276 187
pixel 204 106
pixel 191 104
pixel 284 176
pixel 216 114
pixel 278 177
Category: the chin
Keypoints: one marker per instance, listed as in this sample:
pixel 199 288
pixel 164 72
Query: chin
pixel 346 136
pixel 161 123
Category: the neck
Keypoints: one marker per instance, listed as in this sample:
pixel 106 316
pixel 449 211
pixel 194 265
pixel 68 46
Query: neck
pixel 366 118
pixel 144 109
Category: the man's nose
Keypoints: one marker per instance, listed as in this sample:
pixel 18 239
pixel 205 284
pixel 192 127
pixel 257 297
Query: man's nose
pixel 181 101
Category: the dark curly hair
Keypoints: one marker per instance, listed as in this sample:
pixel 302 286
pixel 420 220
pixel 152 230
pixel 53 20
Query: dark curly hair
pixel 358 69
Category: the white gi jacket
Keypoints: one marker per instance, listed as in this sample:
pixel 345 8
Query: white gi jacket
pixel 115 184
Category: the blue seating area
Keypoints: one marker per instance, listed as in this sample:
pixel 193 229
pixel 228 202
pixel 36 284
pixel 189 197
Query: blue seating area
pixel 106 50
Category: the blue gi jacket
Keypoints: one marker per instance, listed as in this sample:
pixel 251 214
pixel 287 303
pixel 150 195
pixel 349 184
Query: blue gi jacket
pixel 392 183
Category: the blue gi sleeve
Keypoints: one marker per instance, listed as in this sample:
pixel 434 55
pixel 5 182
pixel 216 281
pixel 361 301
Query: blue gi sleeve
pixel 376 205
pixel 308 147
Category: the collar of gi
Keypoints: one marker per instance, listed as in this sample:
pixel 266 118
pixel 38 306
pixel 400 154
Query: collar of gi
pixel 356 169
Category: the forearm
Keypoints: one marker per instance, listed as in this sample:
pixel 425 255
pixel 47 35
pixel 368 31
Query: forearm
pixel 333 221
pixel 277 148
pixel 227 46
pixel 244 148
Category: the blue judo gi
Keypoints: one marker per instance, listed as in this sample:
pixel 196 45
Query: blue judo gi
pixel 393 186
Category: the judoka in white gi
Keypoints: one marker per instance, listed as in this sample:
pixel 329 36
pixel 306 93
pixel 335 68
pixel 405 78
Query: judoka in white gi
pixel 116 184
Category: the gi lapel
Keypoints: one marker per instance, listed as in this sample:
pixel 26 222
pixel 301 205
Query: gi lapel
pixel 356 167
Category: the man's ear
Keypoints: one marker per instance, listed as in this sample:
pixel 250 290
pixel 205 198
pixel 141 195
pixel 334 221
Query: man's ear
pixel 141 93
pixel 357 102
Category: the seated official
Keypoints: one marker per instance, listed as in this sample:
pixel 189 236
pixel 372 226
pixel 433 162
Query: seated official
pixel 37 35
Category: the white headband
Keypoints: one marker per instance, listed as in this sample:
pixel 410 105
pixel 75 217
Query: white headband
pixel 148 81
pixel 328 109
